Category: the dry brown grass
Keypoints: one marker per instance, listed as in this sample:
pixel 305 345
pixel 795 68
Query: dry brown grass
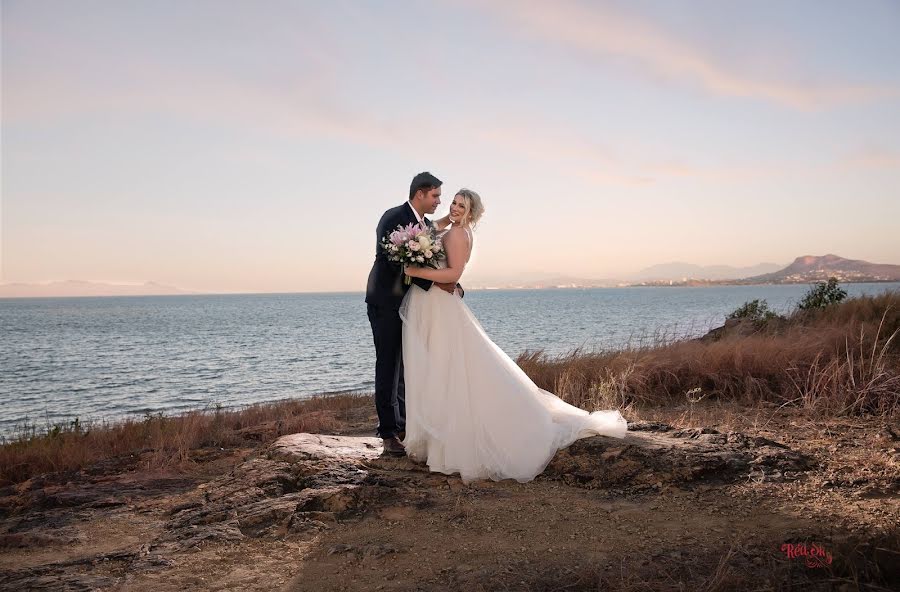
pixel 841 360
pixel 167 441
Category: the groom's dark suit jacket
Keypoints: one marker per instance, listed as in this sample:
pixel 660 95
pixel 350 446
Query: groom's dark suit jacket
pixel 386 287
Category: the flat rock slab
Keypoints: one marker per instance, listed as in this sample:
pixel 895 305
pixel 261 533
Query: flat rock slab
pixel 650 456
pixel 326 447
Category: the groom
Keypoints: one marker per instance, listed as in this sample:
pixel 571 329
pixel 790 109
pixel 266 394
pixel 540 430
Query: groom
pixel 384 293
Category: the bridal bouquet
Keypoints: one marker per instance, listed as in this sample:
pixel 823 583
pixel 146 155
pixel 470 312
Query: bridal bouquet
pixel 413 244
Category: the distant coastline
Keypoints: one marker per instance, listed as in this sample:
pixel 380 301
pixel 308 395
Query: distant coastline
pixel 710 283
pixel 673 284
pixel 803 270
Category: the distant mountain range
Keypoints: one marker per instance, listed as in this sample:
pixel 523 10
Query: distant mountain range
pixel 678 270
pixel 85 288
pixel 803 270
pixel 811 268
pixel 664 273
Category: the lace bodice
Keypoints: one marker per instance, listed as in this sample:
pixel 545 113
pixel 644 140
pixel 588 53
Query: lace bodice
pixel 441 264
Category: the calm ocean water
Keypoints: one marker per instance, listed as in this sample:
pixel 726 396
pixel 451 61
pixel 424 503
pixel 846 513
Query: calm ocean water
pixel 112 357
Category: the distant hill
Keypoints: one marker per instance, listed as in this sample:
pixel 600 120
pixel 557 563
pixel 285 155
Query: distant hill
pixel 678 270
pixel 814 268
pixel 85 288
pixel 802 270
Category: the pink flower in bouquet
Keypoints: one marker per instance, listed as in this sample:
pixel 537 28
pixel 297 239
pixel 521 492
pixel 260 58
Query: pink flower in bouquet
pixel 414 245
pixel 417 229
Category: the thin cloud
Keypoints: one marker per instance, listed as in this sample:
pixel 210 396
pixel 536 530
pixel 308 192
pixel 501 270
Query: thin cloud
pixel 600 31
pixel 301 111
pixel 872 157
pixel 294 109
pixel 578 156
pixel 85 82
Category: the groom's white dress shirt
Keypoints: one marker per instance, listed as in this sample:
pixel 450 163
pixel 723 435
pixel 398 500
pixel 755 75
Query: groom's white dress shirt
pixel 418 217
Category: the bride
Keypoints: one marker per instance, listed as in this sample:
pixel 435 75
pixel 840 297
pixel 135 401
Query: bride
pixel 470 409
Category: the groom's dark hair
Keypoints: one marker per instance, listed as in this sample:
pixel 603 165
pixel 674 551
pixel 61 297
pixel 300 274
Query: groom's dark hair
pixel 425 181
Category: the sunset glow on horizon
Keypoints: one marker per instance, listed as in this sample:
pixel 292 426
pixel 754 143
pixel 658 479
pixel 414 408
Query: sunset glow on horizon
pixel 241 147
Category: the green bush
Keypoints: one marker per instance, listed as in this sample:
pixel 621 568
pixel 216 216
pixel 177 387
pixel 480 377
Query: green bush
pixel 823 294
pixel 755 310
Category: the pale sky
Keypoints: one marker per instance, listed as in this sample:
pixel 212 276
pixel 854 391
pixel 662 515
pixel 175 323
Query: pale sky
pixel 252 146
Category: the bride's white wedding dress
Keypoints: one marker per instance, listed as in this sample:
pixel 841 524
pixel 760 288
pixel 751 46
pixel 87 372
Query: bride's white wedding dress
pixel 470 409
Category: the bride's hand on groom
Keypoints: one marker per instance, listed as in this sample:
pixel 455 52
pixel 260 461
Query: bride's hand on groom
pixel 448 287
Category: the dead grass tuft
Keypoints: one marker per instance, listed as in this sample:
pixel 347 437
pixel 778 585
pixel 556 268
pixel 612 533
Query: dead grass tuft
pixel 844 360
pixel 165 442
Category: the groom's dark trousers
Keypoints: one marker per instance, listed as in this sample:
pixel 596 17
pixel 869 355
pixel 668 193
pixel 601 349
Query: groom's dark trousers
pixel 390 391
pixel 384 293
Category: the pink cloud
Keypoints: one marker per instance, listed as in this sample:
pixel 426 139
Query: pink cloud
pixel 596 163
pixel 85 81
pixel 603 32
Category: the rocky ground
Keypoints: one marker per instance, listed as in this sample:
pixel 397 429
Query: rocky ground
pixel 699 498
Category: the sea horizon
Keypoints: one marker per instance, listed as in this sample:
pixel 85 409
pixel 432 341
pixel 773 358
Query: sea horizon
pixel 112 357
pixel 706 284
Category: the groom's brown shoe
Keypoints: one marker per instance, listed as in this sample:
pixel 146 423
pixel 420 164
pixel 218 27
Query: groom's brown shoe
pixel 393 447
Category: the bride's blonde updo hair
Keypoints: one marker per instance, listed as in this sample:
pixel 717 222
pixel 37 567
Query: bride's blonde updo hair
pixel 474 208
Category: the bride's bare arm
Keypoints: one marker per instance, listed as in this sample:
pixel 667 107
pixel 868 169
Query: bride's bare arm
pixel 456 244
pixel 442 223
